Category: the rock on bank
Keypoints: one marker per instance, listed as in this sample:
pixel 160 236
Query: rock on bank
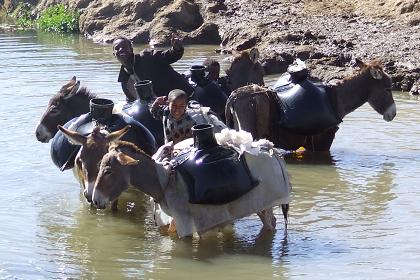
pixel 327 34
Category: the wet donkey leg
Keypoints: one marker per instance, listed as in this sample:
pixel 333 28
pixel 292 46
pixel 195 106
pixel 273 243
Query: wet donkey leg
pixel 267 218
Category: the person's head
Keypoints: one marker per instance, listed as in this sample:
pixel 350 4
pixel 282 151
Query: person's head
pixel 213 68
pixel 123 50
pixel 177 100
pixel 198 74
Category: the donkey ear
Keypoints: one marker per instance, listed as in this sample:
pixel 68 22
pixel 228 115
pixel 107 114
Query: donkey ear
pixel 112 146
pixel 376 73
pixel 72 90
pixel 113 136
pixel 359 63
pixel 254 55
pixel 69 84
pixel 126 159
pixel 73 136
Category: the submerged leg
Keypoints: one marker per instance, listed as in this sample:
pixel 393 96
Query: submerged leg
pixel 323 141
pixel 285 211
pixel 268 219
pixel 114 205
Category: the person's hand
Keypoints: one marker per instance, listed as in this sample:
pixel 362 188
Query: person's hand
pixel 176 43
pixel 161 100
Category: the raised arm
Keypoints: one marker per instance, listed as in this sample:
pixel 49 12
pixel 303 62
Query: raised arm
pixel 173 54
pixel 157 107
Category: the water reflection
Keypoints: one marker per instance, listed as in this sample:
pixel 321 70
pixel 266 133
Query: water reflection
pixel 104 245
pixel 97 244
pixel 353 185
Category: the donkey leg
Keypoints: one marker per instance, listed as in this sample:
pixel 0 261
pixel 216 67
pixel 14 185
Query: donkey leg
pixel 285 211
pixel 172 227
pixel 114 205
pixel 323 141
pixel 268 219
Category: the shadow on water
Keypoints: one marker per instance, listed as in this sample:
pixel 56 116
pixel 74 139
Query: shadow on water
pixel 231 242
pixel 124 245
pixel 309 157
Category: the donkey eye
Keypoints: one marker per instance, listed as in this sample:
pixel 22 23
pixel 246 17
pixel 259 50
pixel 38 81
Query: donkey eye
pixel 54 110
pixel 107 172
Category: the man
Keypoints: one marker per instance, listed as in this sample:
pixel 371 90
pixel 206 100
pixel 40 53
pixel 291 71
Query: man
pixel 153 65
pixel 207 92
pixel 213 70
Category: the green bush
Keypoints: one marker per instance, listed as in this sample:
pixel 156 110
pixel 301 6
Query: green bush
pixel 22 15
pixel 59 19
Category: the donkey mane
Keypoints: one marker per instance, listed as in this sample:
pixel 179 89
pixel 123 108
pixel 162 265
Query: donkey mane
pixel 373 64
pixel 254 88
pixel 244 91
pixel 241 55
pixel 121 145
pixel 96 135
pixel 82 92
pixel 238 94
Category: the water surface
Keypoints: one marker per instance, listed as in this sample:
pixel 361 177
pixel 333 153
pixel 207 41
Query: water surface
pixel 354 213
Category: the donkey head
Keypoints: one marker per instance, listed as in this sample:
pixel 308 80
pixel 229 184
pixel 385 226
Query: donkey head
pixel 94 147
pixel 379 88
pixel 245 69
pixel 68 103
pixel 112 178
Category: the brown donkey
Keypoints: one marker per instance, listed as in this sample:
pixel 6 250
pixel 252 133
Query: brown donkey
pixel 93 147
pixel 245 69
pixel 69 102
pixel 254 108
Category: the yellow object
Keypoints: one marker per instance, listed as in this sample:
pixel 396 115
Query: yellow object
pixel 300 150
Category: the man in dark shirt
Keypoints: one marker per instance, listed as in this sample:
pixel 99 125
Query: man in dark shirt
pixel 153 65
pixel 213 74
pixel 207 92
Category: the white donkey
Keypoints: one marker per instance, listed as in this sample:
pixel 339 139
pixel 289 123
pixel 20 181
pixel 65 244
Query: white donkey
pixel 125 165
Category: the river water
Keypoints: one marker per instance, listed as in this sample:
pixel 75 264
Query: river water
pixel 354 215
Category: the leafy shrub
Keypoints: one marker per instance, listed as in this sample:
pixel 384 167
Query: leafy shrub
pixel 59 19
pixel 22 15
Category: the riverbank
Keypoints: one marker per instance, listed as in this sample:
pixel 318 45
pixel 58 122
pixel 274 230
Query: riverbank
pixel 328 35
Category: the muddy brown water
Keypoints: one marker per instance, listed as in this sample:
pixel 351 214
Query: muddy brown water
pixel 355 213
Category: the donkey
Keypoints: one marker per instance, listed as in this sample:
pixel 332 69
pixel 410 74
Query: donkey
pixel 255 109
pixel 69 102
pixel 125 165
pixel 244 70
pixel 93 147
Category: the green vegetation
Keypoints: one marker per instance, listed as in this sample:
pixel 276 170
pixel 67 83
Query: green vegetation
pixel 58 19
pixel 22 15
